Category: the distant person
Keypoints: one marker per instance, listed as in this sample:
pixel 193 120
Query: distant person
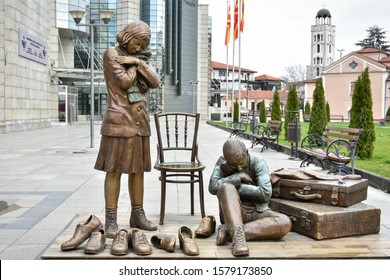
pixel 242 184
pixel 125 145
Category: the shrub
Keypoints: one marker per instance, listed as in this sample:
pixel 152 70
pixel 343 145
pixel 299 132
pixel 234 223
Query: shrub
pixel 262 113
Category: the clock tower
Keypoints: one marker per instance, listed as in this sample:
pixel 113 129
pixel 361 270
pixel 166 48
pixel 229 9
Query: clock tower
pixel 322 43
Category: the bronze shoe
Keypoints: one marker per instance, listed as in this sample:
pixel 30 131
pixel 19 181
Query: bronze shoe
pixel 223 236
pixel 165 242
pixel 82 233
pixel 120 244
pixel 206 227
pixel 240 249
pixel 139 243
pixel 139 220
pixel 96 242
pixel 187 242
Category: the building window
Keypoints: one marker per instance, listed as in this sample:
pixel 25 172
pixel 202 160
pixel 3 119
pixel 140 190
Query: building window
pixel 318 48
pixel 318 71
pixel 353 65
pixel 351 87
pixel 330 48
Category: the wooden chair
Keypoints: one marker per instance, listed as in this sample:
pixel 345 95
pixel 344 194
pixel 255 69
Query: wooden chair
pixel 177 155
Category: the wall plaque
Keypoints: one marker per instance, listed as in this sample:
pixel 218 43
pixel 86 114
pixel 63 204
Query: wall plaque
pixel 32 48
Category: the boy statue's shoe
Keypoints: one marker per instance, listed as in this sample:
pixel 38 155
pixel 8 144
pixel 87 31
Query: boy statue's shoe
pixel 240 248
pixel 120 244
pixel 164 241
pixel 139 243
pixel 82 233
pixel 223 236
pixel 96 242
pixel 206 227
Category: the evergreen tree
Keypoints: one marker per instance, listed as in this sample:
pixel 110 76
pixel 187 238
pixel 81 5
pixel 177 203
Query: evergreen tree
pixel 362 115
pixel 307 108
pixel 318 119
pixel 327 112
pixel 292 105
pixel 306 113
pixel 236 111
pixel 276 112
pixel 262 113
pixel 388 112
pixel 376 39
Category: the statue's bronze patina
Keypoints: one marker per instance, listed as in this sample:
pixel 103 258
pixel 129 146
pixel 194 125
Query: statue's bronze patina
pixel 125 129
pixel 242 184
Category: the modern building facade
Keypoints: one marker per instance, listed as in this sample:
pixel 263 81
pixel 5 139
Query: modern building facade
pixel 54 83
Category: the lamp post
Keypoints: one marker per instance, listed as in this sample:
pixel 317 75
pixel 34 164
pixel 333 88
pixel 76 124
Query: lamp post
pixel 105 16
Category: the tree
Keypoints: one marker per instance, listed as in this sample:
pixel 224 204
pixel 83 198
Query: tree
pixel 318 119
pixel 292 105
pixel 236 113
pixel 296 75
pixel 376 39
pixel 362 115
pixel 327 112
pixel 262 113
pixel 307 111
pixel 276 112
pixel 388 112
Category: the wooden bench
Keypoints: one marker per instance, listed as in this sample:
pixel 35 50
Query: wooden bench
pixel 336 146
pixel 385 120
pixel 266 135
pixel 239 128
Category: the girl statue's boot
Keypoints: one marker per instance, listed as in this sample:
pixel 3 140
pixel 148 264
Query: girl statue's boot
pixel 111 226
pixel 139 220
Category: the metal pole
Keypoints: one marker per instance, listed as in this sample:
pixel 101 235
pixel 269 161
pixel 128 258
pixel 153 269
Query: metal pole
pixel 92 80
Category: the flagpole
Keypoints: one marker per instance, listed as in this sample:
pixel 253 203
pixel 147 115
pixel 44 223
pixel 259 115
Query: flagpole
pixel 239 60
pixel 227 73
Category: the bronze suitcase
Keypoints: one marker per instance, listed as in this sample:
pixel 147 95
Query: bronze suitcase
pixel 342 193
pixel 324 221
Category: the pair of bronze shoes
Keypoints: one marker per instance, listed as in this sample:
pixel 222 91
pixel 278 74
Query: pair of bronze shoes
pixel 136 240
pixel 93 230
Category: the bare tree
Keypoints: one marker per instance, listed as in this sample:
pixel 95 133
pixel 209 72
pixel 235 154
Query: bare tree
pixel 296 75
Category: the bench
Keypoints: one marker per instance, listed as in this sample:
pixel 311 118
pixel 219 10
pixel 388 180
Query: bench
pixel 337 118
pixel 336 146
pixel 266 135
pixel 385 120
pixel 239 128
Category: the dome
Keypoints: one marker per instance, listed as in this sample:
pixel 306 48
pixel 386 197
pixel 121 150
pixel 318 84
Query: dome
pixel 323 13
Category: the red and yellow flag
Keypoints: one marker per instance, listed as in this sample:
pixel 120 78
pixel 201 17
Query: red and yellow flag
pixel 235 31
pixel 228 26
pixel 242 16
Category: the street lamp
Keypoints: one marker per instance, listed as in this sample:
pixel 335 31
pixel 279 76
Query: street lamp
pixel 105 16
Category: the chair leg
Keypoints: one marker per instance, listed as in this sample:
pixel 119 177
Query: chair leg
pixel 163 195
pixel 201 194
pixel 192 193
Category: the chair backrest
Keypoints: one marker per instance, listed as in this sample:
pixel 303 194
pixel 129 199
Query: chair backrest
pixel 176 131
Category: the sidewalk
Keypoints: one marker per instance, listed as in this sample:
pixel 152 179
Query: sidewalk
pixel 47 178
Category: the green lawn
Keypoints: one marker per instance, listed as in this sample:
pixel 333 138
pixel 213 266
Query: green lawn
pixel 379 163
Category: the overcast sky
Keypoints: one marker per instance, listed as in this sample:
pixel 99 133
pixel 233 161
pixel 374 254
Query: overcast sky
pixel 277 33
